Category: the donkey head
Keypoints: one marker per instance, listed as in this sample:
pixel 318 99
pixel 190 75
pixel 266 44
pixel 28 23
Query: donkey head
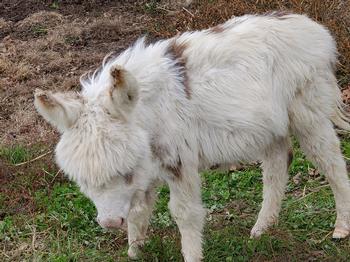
pixel 102 147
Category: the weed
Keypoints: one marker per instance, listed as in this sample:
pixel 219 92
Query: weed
pixel 151 6
pixel 72 40
pixel 54 5
pixel 39 30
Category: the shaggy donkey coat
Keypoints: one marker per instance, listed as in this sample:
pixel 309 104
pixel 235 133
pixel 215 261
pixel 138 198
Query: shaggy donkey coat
pixel 165 111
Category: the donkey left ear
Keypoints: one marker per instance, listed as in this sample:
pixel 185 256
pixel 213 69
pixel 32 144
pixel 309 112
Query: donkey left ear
pixel 59 109
pixel 124 90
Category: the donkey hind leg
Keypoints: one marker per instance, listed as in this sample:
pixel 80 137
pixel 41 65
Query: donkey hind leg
pixel 275 177
pixel 321 145
pixel 138 222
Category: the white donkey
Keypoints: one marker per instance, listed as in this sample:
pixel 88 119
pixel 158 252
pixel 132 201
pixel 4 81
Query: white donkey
pixel 232 93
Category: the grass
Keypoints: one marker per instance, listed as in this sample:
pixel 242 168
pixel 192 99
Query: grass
pixel 151 7
pixel 62 225
pixel 15 154
pixel 39 30
pixel 55 5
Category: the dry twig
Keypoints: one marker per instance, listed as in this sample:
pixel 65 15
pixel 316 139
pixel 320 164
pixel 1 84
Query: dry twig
pixel 34 159
pixel 188 11
pixel 314 191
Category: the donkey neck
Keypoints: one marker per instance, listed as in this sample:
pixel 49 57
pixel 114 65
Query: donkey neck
pixel 160 70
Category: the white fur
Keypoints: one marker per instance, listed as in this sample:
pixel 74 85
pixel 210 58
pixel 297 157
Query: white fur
pixel 251 84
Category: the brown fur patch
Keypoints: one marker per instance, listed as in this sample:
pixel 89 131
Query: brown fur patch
pixel 175 170
pixel 176 50
pixel 128 178
pixel 45 99
pixel 217 29
pixel 118 75
pixel 159 152
pixel 290 157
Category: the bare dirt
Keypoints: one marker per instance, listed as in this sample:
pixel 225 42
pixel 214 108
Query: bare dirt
pixel 49 46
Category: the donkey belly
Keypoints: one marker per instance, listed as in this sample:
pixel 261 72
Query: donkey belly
pixel 218 146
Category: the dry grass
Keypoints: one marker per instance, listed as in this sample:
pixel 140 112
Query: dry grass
pixel 50 51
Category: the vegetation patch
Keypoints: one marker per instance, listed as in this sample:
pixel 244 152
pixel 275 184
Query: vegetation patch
pixel 62 226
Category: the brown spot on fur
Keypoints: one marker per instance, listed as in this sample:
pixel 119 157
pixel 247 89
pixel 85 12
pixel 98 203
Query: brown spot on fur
pixel 217 29
pixel 118 75
pixel 290 157
pixel 176 51
pixel 160 152
pixel 175 170
pixel 45 99
pixel 128 178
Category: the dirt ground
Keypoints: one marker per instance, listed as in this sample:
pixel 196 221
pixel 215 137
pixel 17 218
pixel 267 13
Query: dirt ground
pixel 49 44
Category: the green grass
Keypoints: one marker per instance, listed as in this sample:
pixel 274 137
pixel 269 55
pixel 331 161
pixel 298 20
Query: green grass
pixel 62 225
pixel 39 30
pixel 151 6
pixel 55 5
pixel 15 154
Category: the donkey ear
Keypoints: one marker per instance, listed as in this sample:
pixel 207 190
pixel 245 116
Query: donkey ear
pixel 59 109
pixel 123 92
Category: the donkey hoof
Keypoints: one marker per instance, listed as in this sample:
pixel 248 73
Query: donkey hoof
pixel 256 233
pixel 134 252
pixel 340 232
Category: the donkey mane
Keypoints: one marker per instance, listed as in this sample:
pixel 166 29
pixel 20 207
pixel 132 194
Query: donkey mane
pixel 166 54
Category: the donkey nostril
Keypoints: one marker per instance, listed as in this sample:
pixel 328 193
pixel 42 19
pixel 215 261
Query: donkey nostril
pixel 111 223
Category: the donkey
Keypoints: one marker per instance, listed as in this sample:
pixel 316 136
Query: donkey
pixel 229 94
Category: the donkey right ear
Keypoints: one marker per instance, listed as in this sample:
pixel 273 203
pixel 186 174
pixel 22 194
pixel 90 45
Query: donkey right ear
pixel 123 91
pixel 59 109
